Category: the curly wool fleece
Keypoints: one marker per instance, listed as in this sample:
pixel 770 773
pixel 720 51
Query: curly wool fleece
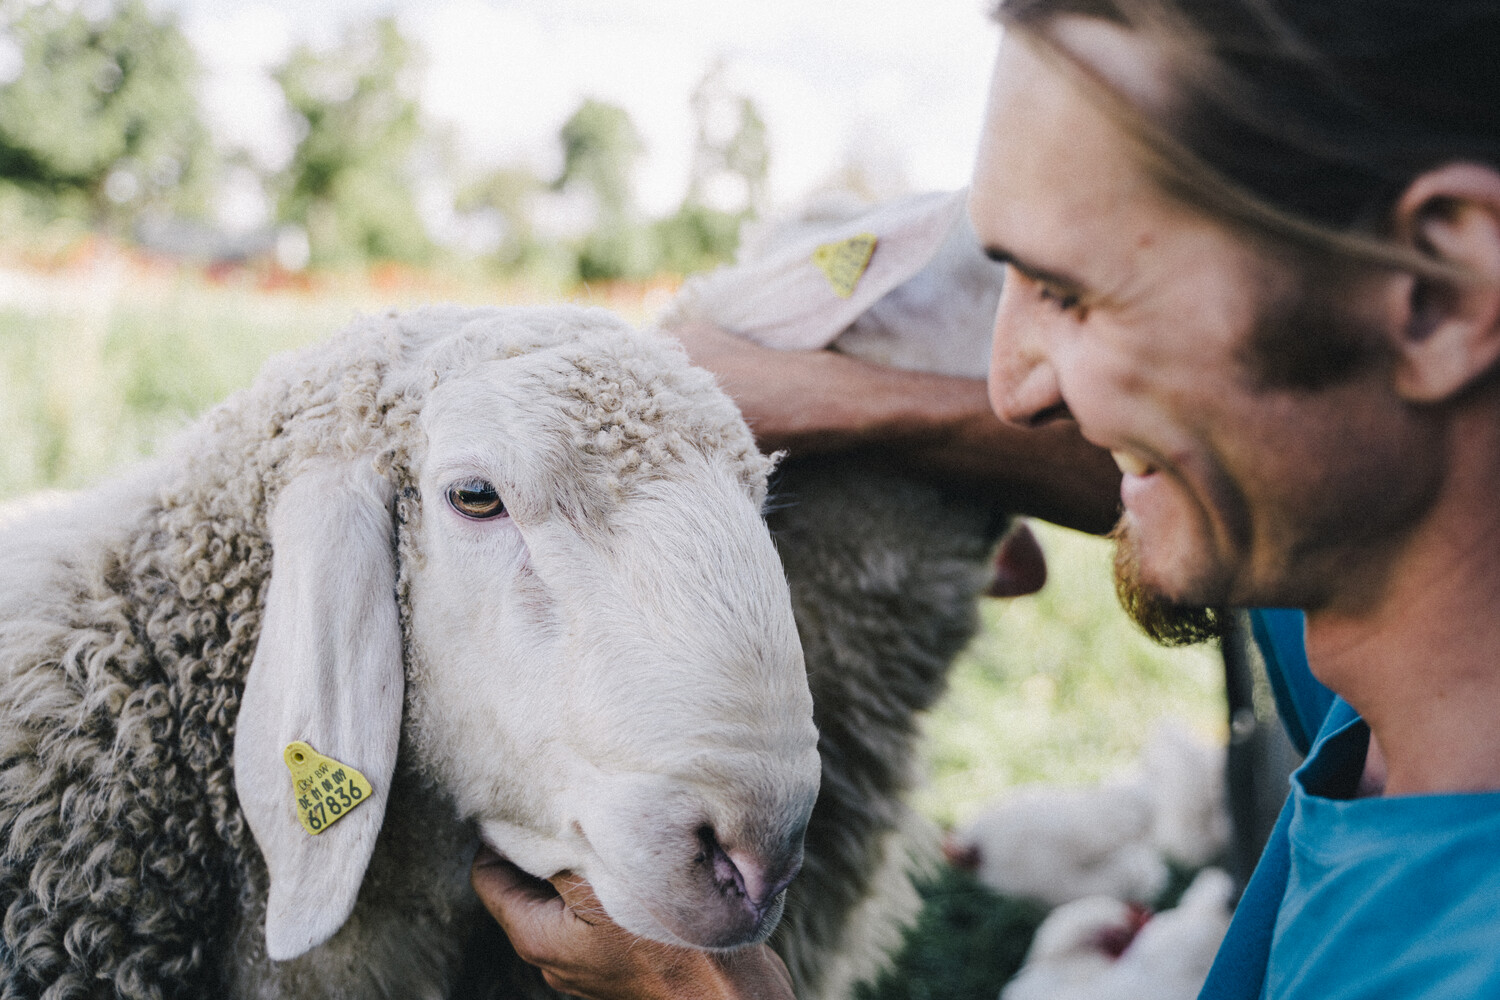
pixel 128 619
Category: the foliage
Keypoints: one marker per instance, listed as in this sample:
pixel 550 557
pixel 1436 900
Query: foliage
pixel 600 149
pixel 508 196
pixel 101 119
pixel 730 144
pixel 966 944
pixel 349 180
pixel 697 238
pixel 103 376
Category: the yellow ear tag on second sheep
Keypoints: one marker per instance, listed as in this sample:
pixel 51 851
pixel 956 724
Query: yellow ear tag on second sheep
pixel 844 263
pixel 326 790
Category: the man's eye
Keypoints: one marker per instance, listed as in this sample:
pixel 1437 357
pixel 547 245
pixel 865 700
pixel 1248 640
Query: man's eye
pixel 1063 301
pixel 476 499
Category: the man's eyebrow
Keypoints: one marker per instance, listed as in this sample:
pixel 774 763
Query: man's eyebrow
pixel 1039 274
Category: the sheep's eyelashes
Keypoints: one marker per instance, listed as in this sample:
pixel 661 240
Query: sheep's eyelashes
pixel 476 499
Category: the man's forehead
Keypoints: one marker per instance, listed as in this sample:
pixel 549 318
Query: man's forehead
pixel 1052 166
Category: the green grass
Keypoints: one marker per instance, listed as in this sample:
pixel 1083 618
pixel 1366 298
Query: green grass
pixel 1059 688
pixel 86 387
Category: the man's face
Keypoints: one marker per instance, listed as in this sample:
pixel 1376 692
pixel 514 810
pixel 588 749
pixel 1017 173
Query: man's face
pixel 1137 314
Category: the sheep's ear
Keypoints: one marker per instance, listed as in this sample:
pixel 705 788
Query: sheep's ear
pixel 802 294
pixel 328 672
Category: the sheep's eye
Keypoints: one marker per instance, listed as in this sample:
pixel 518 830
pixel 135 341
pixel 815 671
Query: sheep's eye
pixel 476 499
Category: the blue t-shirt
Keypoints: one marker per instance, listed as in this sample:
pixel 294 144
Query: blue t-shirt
pixel 1364 898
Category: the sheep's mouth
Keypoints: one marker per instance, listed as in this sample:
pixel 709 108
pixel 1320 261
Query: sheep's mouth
pixel 1115 941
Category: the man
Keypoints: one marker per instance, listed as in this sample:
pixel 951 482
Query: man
pixel 1253 250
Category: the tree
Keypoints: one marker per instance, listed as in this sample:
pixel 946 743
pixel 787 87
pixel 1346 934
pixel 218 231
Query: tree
pixel 727 182
pixel 349 180
pixel 508 196
pixel 100 117
pixel 731 150
pixel 600 149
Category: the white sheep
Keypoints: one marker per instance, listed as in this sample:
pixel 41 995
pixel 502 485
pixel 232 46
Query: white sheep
pixel 509 565
pixel 1101 948
pixel 885 567
pixel 1114 839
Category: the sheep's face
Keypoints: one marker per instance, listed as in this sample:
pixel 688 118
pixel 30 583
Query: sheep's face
pixel 605 670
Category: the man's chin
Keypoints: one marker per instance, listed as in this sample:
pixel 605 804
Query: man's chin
pixel 1167 621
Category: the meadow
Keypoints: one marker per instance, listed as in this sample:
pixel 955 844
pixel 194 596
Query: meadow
pixel 102 359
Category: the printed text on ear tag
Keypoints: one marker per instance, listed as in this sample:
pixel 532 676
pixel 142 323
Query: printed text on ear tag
pixel 325 789
pixel 843 263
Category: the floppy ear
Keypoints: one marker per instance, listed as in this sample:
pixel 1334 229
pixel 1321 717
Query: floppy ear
pixel 328 672
pixel 801 295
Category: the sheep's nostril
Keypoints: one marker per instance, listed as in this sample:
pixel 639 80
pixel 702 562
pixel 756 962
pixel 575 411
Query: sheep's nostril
pixel 745 874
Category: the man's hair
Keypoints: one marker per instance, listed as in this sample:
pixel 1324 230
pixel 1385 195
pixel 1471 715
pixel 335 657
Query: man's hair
pixel 1304 120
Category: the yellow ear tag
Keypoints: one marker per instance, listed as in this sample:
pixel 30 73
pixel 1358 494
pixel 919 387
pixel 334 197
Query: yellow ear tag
pixel 844 263
pixel 326 790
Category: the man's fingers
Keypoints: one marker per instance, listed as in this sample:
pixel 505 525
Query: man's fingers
pixel 579 897
pixel 506 890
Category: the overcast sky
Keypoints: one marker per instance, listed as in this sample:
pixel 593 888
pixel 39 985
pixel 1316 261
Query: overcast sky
pixel 900 82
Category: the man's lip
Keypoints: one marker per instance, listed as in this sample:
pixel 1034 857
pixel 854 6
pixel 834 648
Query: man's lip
pixel 1132 465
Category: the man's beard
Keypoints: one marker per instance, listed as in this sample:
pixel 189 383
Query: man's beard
pixel 1164 620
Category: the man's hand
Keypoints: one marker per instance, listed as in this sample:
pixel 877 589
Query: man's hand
pixel 937 426
pixel 561 928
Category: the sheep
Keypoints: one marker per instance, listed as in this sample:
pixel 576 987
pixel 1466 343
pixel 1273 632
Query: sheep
pixel 885 567
pixel 1101 948
pixel 1056 845
pixel 487 575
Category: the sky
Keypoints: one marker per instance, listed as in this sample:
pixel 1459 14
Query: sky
pixel 897 84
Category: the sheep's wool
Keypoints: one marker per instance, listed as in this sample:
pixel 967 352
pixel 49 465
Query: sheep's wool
pixel 124 857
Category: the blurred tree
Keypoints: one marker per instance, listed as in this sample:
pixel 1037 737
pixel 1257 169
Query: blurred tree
pixel 727 181
pixel 731 150
pixel 506 197
pixel 98 114
pixel 349 180
pixel 600 149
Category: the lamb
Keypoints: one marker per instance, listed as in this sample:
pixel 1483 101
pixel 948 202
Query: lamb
pixel 1101 948
pixel 463 575
pixel 885 568
pixel 1056 845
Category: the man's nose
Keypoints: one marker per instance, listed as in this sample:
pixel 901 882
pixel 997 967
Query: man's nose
pixel 1023 383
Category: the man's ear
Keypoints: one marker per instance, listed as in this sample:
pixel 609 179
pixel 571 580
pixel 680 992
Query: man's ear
pixel 1452 332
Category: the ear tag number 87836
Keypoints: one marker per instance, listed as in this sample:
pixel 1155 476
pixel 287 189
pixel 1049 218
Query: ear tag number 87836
pixel 325 789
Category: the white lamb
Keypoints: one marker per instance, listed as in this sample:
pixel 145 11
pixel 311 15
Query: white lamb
pixel 508 565
pixel 1115 839
pixel 1100 948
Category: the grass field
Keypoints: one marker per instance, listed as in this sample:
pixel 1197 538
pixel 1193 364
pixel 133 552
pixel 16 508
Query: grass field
pixel 98 364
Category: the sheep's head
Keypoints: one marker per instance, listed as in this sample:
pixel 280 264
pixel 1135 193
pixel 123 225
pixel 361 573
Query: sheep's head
pixel 601 666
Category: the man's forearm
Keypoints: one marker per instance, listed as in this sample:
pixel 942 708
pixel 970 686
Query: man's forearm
pixel 819 402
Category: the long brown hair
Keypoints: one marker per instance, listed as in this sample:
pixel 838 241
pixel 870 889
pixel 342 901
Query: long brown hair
pixel 1305 119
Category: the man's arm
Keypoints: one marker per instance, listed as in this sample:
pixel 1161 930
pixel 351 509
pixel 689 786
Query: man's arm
pixel 818 402
pixel 562 929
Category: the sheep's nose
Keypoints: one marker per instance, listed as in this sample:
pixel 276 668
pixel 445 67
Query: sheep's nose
pixel 756 877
